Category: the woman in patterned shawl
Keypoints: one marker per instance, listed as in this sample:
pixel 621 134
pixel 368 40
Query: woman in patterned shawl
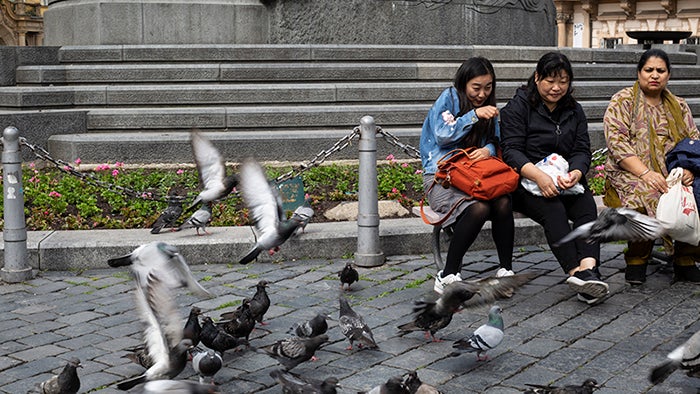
pixel 642 124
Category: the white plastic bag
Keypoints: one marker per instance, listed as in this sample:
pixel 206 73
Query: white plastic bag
pixel 553 165
pixel 677 210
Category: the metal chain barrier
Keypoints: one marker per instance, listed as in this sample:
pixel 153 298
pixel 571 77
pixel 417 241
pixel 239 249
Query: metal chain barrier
pixel 393 140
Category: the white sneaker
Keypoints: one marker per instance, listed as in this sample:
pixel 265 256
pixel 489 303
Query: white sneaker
pixel 504 272
pixel 441 282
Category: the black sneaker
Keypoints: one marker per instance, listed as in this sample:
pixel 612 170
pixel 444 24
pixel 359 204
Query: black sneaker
pixel 588 282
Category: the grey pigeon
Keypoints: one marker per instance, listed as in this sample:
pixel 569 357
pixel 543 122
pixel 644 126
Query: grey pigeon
pixel 293 351
pixel 199 219
pixel 617 224
pixel 484 338
pixel 316 326
pixel 392 386
pixel 260 302
pixel 265 209
pixel 214 337
pixel 66 382
pixel 192 327
pixel 206 363
pixel 416 386
pixel 163 258
pixel 685 356
pixel 170 215
pixel 433 315
pixel 587 387
pixel 353 326
pixel 167 386
pixel 348 275
pixel 139 355
pixel 212 172
pixel 303 214
pixel 240 323
pixel 296 384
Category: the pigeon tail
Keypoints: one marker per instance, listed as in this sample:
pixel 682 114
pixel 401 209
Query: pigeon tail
pixel 129 384
pixel 252 255
pixel 663 371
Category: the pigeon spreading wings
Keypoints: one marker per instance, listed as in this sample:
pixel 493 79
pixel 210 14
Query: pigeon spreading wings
pixel 617 224
pixel 265 207
pixel 685 356
pixel 212 172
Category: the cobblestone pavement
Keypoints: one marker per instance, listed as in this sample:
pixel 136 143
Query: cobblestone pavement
pixel 550 337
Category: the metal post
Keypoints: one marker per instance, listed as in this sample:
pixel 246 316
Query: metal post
pixel 16 267
pixel 368 253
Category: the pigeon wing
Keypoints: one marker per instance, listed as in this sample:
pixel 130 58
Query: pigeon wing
pixel 261 201
pixel 493 288
pixel 182 270
pixel 636 227
pixel 582 231
pixel 210 166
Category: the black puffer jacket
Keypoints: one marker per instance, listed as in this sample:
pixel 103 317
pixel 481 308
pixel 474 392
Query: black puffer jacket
pixel 529 134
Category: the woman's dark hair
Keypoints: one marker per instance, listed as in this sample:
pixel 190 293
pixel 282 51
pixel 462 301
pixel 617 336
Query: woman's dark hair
pixel 551 64
pixel 472 68
pixel 653 52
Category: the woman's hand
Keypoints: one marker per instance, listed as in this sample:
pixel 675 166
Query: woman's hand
pixel 546 184
pixel 569 181
pixel 486 112
pixel 479 154
pixel 656 181
pixel 688 178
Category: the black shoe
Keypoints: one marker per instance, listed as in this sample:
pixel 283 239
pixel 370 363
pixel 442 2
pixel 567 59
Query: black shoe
pixel 590 300
pixel 588 282
pixel 636 274
pixel 686 273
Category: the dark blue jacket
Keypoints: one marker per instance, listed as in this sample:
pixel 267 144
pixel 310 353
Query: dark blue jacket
pixel 686 155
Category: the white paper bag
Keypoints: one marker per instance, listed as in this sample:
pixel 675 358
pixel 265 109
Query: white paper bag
pixel 677 210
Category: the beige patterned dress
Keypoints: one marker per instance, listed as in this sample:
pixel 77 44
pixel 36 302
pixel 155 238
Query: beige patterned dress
pixel 627 135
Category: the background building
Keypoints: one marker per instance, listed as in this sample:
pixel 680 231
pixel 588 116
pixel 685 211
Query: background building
pixel 22 22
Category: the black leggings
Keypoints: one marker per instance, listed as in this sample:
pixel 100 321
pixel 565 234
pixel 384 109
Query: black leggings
pixel 468 226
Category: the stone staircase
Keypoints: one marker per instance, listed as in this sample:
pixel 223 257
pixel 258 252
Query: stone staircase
pixel 136 104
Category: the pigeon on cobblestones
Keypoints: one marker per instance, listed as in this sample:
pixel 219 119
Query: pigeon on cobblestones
pixel 587 387
pixel 199 219
pixel 484 338
pixel 686 357
pixel 139 355
pixel 264 204
pixel 66 382
pixel 316 326
pixel 212 172
pixel 239 323
pixel 348 275
pixel 293 383
pixel 392 386
pixel 415 386
pixel 170 215
pixel 353 326
pixel 260 302
pixel 192 327
pixel 178 387
pixel 617 224
pixel 214 337
pixel 206 363
pixel 303 214
pixel 293 351
pixel 166 260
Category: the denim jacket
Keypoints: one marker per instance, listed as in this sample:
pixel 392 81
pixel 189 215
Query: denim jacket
pixel 442 132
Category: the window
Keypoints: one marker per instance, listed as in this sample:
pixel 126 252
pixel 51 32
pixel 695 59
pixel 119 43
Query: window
pixel 611 43
pixel 693 40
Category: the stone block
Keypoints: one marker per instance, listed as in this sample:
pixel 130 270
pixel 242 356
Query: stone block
pixel 38 126
pixel 152 118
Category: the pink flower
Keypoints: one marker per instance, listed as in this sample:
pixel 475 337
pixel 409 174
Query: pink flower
pixel 54 194
pixel 34 179
pixel 67 168
pixel 600 167
pixel 599 175
pixel 404 165
pixel 180 171
pixel 448 118
pixel 391 157
pixel 394 190
pixel 31 164
pixel 115 172
pixel 419 171
pixel 78 161
pixel 119 164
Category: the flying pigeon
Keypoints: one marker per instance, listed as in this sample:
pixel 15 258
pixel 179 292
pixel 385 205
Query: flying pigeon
pixel 212 172
pixel 178 387
pixel 415 386
pixel 66 382
pixel 353 326
pixel 293 351
pixel 214 337
pixel 199 219
pixel 348 275
pixel 240 323
pixel 686 356
pixel 294 383
pixel 192 328
pixel 484 338
pixel 170 215
pixel 316 326
pixel 392 386
pixel 587 387
pixel 164 259
pixel 303 214
pixel 617 224
pixel 265 207
pixel 163 334
pixel 206 363
pixel 431 316
pixel 260 302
